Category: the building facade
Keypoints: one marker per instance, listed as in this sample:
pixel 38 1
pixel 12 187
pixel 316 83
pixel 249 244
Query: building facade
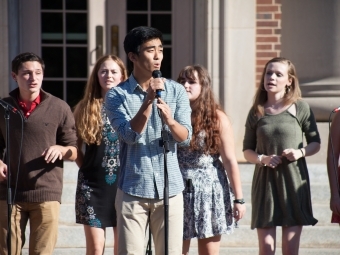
pixel 232 38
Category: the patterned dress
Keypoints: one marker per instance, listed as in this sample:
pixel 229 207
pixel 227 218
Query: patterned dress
pixel 97 181
pixel 208 208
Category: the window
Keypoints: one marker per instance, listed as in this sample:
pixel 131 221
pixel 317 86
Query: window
pixel 157 14
pixel 64 48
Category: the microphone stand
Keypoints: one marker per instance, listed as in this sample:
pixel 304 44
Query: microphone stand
pixel 165 143
pixel 9 190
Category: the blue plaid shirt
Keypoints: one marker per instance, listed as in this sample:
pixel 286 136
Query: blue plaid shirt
pixel 141 156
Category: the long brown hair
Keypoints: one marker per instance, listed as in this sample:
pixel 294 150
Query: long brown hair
pixel 291 95
pixel 87 112
pixel 204 110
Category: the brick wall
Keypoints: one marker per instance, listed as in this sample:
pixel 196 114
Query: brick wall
pixel 268 33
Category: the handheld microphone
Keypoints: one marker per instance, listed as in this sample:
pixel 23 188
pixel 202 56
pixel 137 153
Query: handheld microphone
pixel 157 74
pixel 336 109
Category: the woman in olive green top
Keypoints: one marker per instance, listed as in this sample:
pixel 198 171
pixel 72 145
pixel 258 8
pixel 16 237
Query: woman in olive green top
pixel 273 141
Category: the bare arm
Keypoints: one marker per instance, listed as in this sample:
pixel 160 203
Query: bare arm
pixel 294 154
pixel 332 163
pixel 227 152
pixel 251 156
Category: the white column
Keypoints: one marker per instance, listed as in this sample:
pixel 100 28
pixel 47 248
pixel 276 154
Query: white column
pixel 213 46
pixel 200 32
pixel 239 59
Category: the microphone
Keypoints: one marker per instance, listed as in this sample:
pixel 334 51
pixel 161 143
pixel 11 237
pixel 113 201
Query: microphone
pixel 157 74
pixel 336 109
pixel 7 106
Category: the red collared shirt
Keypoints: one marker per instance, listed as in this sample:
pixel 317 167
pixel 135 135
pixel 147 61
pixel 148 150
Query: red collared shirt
pixel 27 111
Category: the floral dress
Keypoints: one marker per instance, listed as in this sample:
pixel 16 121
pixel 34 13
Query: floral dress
pixel 97 181
pixel 207 196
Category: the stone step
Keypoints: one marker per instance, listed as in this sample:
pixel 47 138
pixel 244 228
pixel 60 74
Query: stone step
pixel 320 193
pixel 312 237
pixel 317 172
pixel 321 212
pixel 70 172
pixel 70 237
pixel 318 175
pixel 252 251
pixel 320 239
pixel 193 251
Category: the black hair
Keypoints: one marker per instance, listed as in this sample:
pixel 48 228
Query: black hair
pixel 25 57
pixel 136 37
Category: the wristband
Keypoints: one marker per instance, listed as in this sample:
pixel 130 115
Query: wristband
pixel 259 157
pixel 239 201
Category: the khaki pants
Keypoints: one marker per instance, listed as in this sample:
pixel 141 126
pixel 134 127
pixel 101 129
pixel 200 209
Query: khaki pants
pixel 132 220
pixel 43 219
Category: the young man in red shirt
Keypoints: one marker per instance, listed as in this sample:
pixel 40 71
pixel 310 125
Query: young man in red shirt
pixel 49 137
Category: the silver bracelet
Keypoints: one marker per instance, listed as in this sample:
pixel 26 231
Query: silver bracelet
pixel 302 152
pixel 259 157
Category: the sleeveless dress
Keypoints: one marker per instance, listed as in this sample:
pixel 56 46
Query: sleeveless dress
pixel 281 196
pixel 208 204
pixel 97 181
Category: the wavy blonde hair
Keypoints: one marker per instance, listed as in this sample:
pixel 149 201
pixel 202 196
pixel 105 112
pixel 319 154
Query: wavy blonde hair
pixel 204 110
pixel 87 112
pixel 290 96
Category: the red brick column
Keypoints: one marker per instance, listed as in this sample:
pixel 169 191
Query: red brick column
pixel 268 33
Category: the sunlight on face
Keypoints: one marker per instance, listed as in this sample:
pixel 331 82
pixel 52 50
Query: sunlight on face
pixel 109 75
pixel 276 78
pixel 192 87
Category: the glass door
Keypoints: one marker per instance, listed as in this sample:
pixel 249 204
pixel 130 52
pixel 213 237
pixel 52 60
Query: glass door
pixel 157 14
pixel 64 42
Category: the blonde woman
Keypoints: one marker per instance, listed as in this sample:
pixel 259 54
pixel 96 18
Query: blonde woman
pixel 273 141
pixel 99 167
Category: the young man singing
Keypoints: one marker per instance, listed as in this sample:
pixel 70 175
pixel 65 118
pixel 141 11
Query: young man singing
pixel 133 111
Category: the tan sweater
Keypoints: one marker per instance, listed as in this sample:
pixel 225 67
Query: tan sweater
pixel 49 124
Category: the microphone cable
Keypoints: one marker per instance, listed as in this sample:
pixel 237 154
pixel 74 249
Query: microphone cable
pixel 335 166
pixel 19 159
pixel 9 107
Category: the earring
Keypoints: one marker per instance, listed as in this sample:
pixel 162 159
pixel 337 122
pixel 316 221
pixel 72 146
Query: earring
pixel 287 89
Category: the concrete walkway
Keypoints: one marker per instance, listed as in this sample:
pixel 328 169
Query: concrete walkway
pixel 324 238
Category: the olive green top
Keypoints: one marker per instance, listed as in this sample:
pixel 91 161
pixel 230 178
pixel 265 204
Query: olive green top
pixel 281 196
